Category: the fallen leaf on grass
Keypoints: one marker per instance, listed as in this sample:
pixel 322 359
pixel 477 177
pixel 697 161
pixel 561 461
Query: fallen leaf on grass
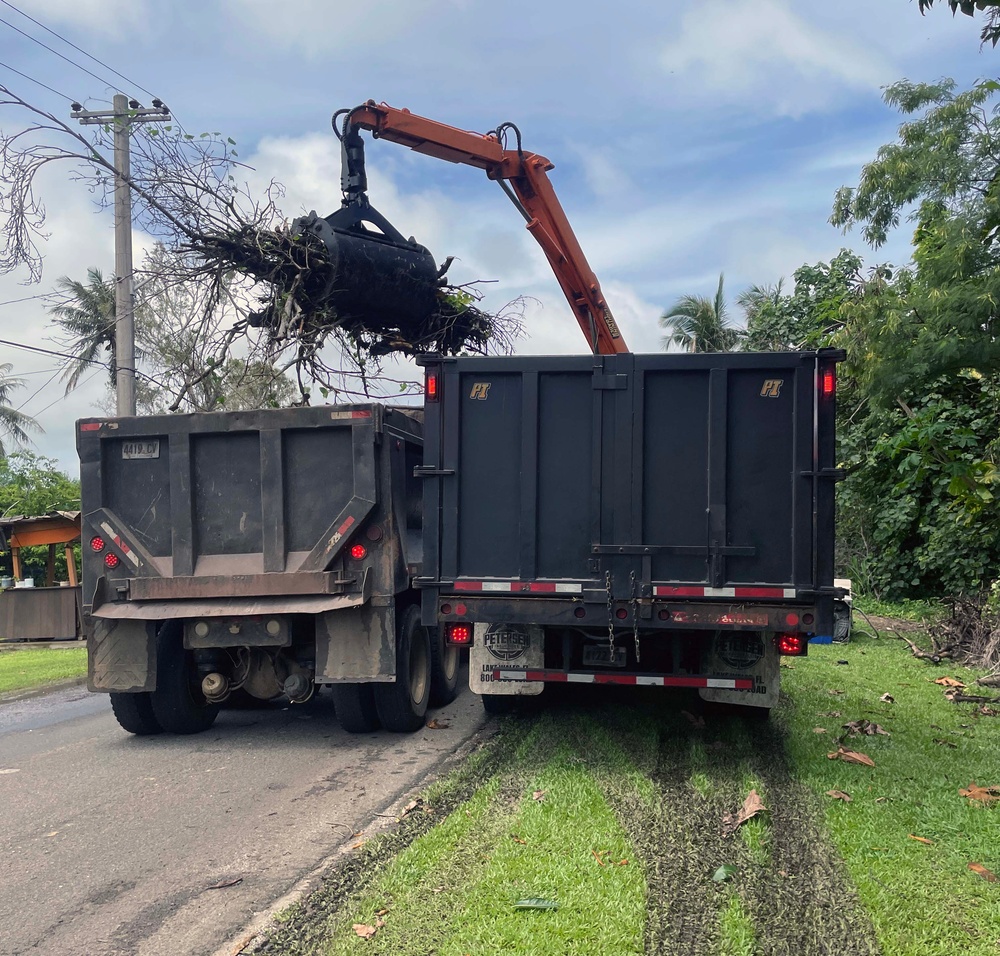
pixel 830 713
pixel 539 795
pixel 984 710
pixel 819 730
pixel 753 805
pixel 222 885
pixel 535 903
pixel 888 699
pixel 365 931
pixel 725 873
pixel 983 872
pixel 948 682
pixel 696 720
pixel 920 839
pixel 839 795
pixel 851 756
pixel 835 692
pixel 358 845
pixel 598 855
pixel 409 808
pixel 986 795
pixel 517 839
pixel 435 724
pixel 623 862
pixel 865 728
pixel 946 743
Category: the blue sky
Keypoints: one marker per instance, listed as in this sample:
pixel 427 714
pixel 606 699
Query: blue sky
pixel 690 137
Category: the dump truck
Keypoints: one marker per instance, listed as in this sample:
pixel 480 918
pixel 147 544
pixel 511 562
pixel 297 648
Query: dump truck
pixel 257 554
pixel 662 520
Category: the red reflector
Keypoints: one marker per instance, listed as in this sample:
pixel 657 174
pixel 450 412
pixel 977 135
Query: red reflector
pixel 111 560
pixel 461 609
pixel 621 614
pixel 431 387
pixel 97 544
pixel 358 551
pixel 791 644
pixel 446 609
pixel 829 382
pixel 90 426
pixel 791 619
pixel 458 633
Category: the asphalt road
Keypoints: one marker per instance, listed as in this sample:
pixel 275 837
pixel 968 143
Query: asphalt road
pixel 114 844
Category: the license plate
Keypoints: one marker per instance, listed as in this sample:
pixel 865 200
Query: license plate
pixel 599 655
pixel 141 449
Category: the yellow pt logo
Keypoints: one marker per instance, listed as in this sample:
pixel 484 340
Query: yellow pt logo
pixel 480 390
pixel 771 388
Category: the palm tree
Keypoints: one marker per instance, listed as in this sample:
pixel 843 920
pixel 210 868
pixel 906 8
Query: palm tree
pixel 88 320
pixel 14 424
pixel 699 324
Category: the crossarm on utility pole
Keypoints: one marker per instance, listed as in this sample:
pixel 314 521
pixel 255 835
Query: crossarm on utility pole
pixel 527 176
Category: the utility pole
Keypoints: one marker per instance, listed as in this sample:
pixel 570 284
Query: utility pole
pixel 125 112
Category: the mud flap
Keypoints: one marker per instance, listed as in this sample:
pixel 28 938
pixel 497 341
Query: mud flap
pixel 356 644
pixel 121 656
pixel 742 654
pixel 501 649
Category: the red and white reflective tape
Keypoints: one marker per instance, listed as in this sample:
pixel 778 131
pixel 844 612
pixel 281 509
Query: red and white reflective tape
pixel 648 680
pixel 666 590
pixel 358 413
pixel 518 587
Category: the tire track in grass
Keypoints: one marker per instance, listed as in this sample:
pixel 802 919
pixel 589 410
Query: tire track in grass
pixel 790 894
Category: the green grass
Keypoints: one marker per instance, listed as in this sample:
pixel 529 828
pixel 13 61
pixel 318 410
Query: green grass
pixel 454 890
pixel 923 899
pixel 919 611
pixel 25 669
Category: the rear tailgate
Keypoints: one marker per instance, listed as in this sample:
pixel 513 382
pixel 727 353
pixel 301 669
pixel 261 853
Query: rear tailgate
pixel 681 477
pixel 253 507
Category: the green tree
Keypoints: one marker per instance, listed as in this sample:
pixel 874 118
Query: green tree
pixel 86 321
pixel 699 324
pixel 31 484
pixel 939 315
pixel 991 25
pixel 14 424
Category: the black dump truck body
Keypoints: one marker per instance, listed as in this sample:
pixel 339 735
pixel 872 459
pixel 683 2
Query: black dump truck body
pixel 661 519
pixel 263 552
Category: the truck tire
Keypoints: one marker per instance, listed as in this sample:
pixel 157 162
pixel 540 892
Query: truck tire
pixel 355 706
pixel 134 713
pixel 402 704
pixel 178 703
pixel 446 662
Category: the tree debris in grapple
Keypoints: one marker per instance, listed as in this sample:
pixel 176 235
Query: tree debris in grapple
pixel 373 304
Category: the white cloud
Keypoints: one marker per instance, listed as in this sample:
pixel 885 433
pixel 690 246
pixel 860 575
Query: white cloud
pixel 314 27
pixel 760 50
pixel 112 18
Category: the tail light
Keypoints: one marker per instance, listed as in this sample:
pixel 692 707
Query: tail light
pixel 97 544
pixel 111 560
pixel 828 382
pixel 458 632
pixel 431 387
pixel 358 551
pixel 791 645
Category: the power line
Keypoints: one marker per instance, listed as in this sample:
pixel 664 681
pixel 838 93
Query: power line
pixel 29 298
pixel 65 395
pixel 138 86
pixel 31 79
pixel 46 384
pixel 100 79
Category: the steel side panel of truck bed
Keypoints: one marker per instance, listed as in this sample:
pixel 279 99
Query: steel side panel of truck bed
pixel 651 474
pixel 251 508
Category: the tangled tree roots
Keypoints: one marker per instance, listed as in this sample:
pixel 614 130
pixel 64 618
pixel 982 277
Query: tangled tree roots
pixel 970 635
pixel 306 300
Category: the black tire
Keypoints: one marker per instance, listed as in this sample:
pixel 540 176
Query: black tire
pixel 402 705
pixel 500 704
pixel 178 703
pixel 355 706
pixel 134 712
pixel 446 664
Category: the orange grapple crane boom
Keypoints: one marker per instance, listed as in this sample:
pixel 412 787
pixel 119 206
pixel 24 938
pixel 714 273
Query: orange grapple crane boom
pixel 523 176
